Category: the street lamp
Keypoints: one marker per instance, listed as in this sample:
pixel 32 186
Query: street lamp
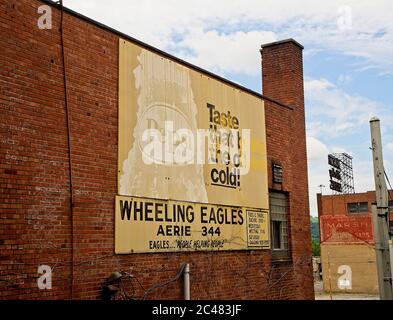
pixel 321 186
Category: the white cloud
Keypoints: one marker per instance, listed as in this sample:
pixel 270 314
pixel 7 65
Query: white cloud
pixel 339 149
pixel 236 53
pixel 363 173
pixel 332 112
pixel 311 52
pixel 389 147
pixel 344 79
pixel 225 35
pixel 333 115
pixel 317 153
pixel 317 84
pixel 316 150
pixel 168 24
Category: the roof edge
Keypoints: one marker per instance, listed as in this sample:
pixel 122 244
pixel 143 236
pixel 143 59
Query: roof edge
pixel 163 53
pixel 276 43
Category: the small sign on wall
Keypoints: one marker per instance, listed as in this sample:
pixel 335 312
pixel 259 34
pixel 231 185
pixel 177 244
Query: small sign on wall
pixel 277 173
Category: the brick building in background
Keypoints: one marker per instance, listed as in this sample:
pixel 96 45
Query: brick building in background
pixel 52 150
pixel 347 239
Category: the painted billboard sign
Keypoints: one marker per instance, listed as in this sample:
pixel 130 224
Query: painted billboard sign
pixel 192 142
pixel 345 229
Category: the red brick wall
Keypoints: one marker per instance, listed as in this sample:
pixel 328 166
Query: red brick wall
pixel 337 204
pixel 347 239
pixel 282 80
pixel 333 214
pixel 35 220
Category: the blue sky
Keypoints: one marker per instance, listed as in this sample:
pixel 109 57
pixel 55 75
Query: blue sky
pixel 348 61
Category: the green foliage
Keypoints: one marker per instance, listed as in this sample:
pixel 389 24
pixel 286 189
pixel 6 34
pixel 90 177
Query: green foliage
pixel 316 248
pixel 315 242
pixel 314 228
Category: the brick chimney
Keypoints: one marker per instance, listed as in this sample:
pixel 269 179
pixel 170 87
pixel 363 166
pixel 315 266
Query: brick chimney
pixel 282 72
pixel 282 81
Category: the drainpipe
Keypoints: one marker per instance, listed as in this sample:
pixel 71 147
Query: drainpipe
pixel 187 282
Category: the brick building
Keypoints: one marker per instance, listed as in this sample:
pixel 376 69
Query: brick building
pixel 58 169
pixel 347 239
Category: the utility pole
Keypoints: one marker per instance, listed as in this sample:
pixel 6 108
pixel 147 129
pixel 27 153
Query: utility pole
pixel 380 215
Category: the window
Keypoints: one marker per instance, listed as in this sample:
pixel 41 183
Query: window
pixel 357 207
pixel 279 225
pixel 390 205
